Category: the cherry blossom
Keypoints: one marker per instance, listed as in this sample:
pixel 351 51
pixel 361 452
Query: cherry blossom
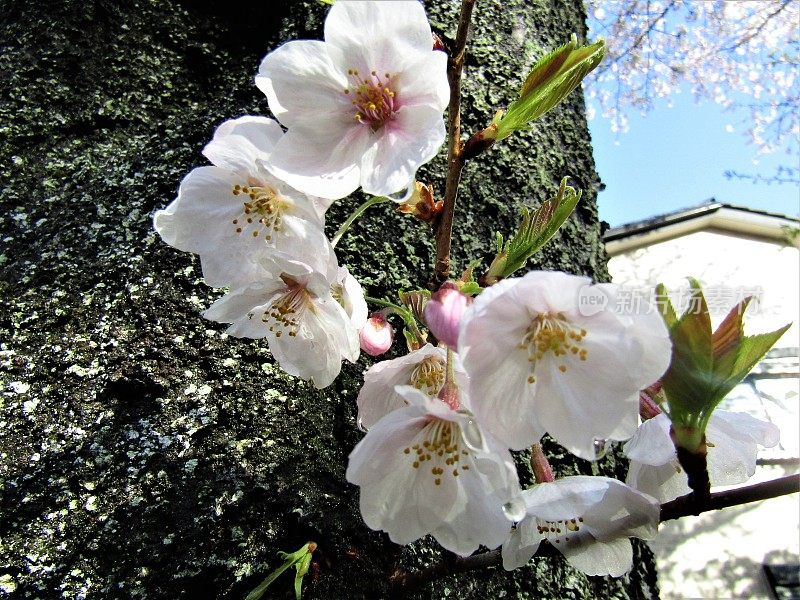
pixel 235 213
pixel 732 439
pixel 588 519
pixel 364 107
pixel 731 53
pixel 309 332
pixel 539 361
pixel 426 468
pixel 423 369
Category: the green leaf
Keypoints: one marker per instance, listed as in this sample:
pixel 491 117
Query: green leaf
pixel 751 350
pixel 301 559
pixel 302 568
pixel 706 366
pixel 534 232
pixel 551 80
pixel 665 307
pixel 690 377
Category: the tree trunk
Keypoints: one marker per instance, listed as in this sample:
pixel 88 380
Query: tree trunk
pixel 145 454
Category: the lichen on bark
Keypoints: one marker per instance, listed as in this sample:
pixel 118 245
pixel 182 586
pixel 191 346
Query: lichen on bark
pixel 144 453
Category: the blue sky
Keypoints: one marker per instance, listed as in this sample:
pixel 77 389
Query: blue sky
pixel 676 157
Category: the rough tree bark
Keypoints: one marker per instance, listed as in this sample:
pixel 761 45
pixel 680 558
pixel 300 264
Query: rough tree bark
pixel 145 454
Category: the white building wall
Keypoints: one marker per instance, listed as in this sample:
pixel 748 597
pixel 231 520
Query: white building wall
pixel 720 554
pixel 722 262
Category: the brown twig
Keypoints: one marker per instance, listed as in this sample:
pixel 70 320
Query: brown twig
pixel 689 505
pixel 404 582
pixel 455 161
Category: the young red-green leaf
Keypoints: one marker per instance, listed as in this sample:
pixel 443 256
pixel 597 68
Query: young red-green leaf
pixel 551 80
pixel 534 231
pixel 706 366
pixel 728 336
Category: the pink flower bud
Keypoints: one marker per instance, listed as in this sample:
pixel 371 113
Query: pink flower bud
pixel 376 336
pixel 542 470
pixel 648 406
pixel 443 313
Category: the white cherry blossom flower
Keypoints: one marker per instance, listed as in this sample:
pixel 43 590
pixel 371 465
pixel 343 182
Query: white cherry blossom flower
pixel 348 292
pixel 538 364
pixel 292 306
pixel 423 369
pixel 234 213
pixel 732 439
pixel 588 519
pixel 364 107
pixel 426 468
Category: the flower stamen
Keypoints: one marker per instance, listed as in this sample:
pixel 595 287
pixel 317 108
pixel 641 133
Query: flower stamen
pixel 263 212
pixel 442 448
pixel 556 531
pixel 552 333
pixel 375 101
pixel 428 375
pixel 284 315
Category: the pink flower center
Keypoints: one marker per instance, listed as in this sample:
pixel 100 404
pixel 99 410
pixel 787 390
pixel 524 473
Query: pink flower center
pixel 552 333
pixel 285 313
pixel 263 212
pixel 373 97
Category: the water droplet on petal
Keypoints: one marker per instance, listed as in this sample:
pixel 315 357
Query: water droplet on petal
pixel 601 447
pixel 515 509
pixel 360 425
pixel 472 436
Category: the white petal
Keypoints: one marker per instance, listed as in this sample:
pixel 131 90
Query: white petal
pixel 498 370
pixel 322 160
pixel 304 83
pixel 663 482
pixel 411 139
pixel 243 308
pixel 652 444
pixel 239 143
pixel 521 545
pixel 425 82
pixel 614 557
pixel 623 512
pixel 732 439
pixel 378 397
pixel 566 498
pixel 382 32
pixel 353 298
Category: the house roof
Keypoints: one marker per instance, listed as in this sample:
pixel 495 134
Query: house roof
pixel 709 216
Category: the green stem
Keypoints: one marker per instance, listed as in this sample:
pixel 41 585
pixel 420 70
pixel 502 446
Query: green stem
pixel 450 374
pixel 408 317
pixel 400 310
pixel 357 213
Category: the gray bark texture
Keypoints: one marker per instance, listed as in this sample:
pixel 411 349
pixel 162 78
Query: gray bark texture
pixel 144 453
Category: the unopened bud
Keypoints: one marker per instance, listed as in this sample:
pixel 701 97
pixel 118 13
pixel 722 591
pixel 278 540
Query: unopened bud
pixel 450 395
pixel 443 313
pixel 648 406
pixel 542 470
pixel 376 336
pixel 422 203
pixel 438 44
